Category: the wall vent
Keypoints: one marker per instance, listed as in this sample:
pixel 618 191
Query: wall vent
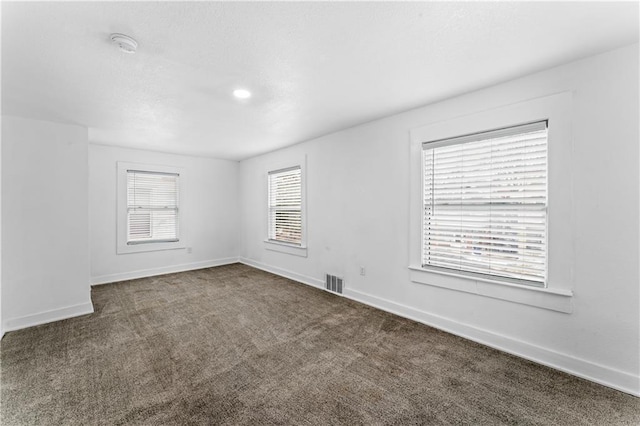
pixel 333 283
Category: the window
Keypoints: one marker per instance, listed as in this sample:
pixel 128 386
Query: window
pixel 485 203
pixel 523 247
pixel 152 207
pixel 285 205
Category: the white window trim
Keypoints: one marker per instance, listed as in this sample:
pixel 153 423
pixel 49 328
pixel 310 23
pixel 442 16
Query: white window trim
pixel 121 214
pixel 557 295
pixel 280 246
pixel 459 143
pixel 286 248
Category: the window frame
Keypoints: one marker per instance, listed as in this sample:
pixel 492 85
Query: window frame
pixel 123 245
pixel 272 209
pixel 296 161
pixel 556 295
pixel 477 137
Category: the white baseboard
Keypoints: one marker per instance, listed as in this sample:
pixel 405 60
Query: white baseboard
pixel 284 273
pixel 607 376
pixel 13 324
pixel 588 370
pixel 143 273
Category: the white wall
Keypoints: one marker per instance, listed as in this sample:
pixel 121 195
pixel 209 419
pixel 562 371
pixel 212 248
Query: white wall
pixel 209 204
pixel 358 215
pixel 45 239
pixel 58 194
pixel 1 317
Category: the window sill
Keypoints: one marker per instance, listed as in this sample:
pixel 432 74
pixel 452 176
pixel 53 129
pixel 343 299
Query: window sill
pixel 285 248
pixel 559 300
pixel 151 246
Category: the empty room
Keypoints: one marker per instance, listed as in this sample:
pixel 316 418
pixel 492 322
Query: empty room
pixel 320 213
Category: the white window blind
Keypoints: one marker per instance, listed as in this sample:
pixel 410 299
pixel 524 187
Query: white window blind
pixel 152 207
pixel 285 205
pixel 485 203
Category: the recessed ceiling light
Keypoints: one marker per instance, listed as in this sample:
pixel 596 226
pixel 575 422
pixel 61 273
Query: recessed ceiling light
pixel 124 42
pixel 242 93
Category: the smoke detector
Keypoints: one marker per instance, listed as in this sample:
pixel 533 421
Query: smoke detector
pixel 124 42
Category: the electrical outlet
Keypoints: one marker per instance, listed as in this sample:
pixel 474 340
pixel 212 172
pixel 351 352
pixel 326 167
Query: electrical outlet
pixel 362 271
pixel 189 250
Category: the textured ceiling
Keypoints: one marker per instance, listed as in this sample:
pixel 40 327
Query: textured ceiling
pixel 313 68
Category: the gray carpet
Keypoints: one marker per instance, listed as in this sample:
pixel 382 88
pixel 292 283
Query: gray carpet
pixel 235 345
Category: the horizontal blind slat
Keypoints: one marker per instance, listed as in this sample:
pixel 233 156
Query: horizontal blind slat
pixel 285 205
pixel 152 206
pixel 485 201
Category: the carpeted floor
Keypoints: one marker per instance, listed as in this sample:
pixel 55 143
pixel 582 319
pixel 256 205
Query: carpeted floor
pixel 235 345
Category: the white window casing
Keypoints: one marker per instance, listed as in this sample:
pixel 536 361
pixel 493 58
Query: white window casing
pixel 285 206
pixel 150 214
pixel 470 248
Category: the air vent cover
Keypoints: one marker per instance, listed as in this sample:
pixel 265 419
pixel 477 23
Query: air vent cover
pixel 333 283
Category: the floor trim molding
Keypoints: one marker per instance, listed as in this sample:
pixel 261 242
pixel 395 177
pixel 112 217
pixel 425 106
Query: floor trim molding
pixel 283 273
pixel 40 318
pixel 144 273
pixel 588 370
